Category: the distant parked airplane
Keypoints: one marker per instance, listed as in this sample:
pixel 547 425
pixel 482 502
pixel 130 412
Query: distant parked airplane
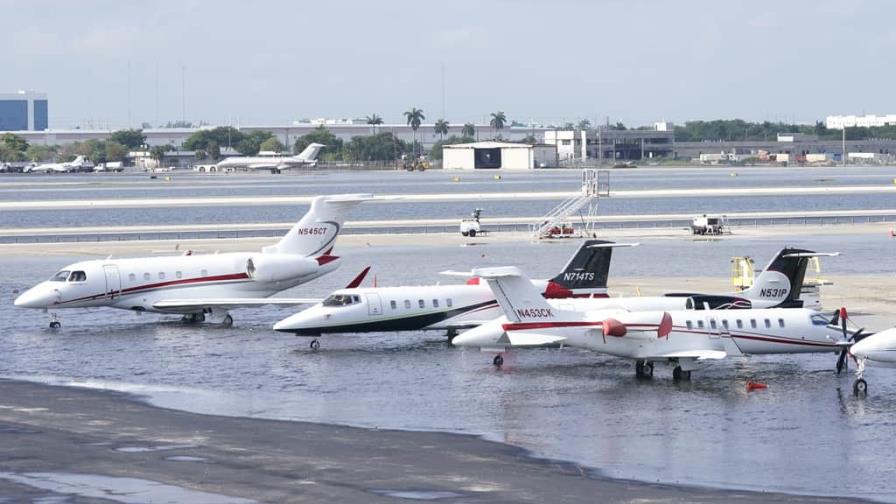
pixel 78 164
pixel 276 164
pixel 203 285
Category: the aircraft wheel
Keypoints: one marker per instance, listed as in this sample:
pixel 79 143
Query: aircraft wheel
pixel 315 345
pixel 860 387
pixel 465 233
pixel 200 317
pixel 55 324
pixel 228 321
pixel 639 368
pixel 472 233
pixel 648 369
pixel 498 361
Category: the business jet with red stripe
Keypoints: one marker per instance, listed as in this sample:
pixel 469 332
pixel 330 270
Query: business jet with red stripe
pixel 442 307
pixel 685 338
pixel 203 285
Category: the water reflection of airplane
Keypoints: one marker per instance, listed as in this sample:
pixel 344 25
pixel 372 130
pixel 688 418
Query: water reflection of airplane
pixel 305 159
pixel 199 286
pixel 685 338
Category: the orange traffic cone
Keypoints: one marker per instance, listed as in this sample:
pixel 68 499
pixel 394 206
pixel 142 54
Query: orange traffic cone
pixel 751 386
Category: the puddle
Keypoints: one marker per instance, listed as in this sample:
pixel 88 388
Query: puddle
pixel 140 449
pixel 185 458
pixel 426 495
pixel 126 490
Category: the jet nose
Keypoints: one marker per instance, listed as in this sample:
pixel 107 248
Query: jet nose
pixel 36 297
pixel 299 323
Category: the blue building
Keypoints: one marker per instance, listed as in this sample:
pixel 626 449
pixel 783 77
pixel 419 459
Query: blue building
pixel 23 111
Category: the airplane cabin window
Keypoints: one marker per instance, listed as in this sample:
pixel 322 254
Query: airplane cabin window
pixel 146 276
pixel 60 277
pixel 780 322
pixel 700 324
pixel 161 275
pixel 740 324
pixel 768 324
pixel 393 304
pixel 753 323
pixel 132 277
pixel 356 299
pixel 712 323
pixel 725 324
pixel 448 302
pixel 421 303
pixel 407 304
pixel 435 303
pixel 690 325
pixel 77 276
pixel 204 273
pixel 178 274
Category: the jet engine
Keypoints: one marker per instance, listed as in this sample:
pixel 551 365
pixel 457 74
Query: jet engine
pixel 279 267
pixel 641 325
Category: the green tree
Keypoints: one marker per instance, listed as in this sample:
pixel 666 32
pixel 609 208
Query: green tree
pixel 272 145
pixel 211 140
pixel 157 152
pixel 414 119
pixel 374 120
pixel 379 147
pixel 130 138
pixel 441 128
pixel 251 143
pixel 436 152
pixel 14 142
pixel 499 119
pixel 469 130
pixel 41 153
pixel 115 151
pixel 321 135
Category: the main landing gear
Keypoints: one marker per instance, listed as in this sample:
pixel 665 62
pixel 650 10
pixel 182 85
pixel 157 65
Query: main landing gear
pixel 315 345
pixel 860 386
pixel 54 322
pixel 227 321
pixel 679 374
pixel 193 318
pixel 498 361
pixel 643 369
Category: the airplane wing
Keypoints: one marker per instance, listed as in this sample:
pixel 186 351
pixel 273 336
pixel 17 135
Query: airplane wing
pixel 193 305
pixel 263 166
pixel 533 339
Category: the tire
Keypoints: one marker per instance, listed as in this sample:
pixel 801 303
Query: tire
pixel 498 361
pixel 315 345
pixel 677 373
pixel 465 233
pixel 228 321
pixel 55 324
pixel 472 233
pixel 860 387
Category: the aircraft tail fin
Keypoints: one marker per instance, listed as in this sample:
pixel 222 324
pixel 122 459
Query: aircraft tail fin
pixel 311 152
pixel 520 300
pixel 782 280
pixel 586 272
pixel 315 234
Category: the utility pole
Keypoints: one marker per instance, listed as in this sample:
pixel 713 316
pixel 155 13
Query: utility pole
pixel 183 98
pixel 843 145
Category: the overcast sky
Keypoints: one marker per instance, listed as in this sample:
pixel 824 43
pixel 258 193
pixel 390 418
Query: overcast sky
pixel 550 60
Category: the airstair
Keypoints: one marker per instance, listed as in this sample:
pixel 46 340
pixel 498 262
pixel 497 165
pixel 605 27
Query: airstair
pixel 556 224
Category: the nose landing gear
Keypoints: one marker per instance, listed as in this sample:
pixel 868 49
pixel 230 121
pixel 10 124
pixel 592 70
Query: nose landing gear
pixel 498 361
pixel 643 369
pixel 54 322
pixel 315 345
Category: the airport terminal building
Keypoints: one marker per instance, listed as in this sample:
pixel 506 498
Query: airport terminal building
pixel 23 111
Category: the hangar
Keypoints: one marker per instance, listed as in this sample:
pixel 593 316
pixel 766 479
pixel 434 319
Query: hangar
pixel 498 155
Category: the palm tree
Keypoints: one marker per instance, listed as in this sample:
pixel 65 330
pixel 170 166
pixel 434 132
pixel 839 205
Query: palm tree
pixel 441 128
pixel 498 120
pixel 469 130
pixel 414 118
pixel 374 120
pixel 584 124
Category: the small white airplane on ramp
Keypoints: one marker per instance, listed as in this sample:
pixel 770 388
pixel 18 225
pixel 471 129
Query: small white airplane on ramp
pixel 877 349
pixel 77 164
pixel 276 164
pixel 199 286
pixel 685 338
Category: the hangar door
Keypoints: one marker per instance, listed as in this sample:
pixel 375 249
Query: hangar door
pixel 487 158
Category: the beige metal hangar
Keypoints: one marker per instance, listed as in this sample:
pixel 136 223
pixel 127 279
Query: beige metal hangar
pixel 498 155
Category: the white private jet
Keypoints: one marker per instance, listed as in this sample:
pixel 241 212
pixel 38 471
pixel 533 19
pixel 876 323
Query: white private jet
pixel 202 285
pixel 442 307
pixel 276 164
pixel 682 337
pixel 878 349
pixel 79 163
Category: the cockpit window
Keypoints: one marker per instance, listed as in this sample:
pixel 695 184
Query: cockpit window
pixel 77 276
pixel 341 300
pixel 60 277
pixel 820 320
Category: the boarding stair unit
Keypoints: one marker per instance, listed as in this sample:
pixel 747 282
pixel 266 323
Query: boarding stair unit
pixel 556 224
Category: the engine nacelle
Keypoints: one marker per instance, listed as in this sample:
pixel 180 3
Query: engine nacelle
pixel 279 267
pixel 639 325
pixel 702 301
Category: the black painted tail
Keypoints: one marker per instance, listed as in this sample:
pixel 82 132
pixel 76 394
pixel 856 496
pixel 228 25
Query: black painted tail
pixel 588 269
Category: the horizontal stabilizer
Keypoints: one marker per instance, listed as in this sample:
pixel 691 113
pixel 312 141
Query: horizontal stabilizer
pixel 195 305
pixel 518 339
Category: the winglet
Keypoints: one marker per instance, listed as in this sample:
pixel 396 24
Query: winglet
pixel 354 284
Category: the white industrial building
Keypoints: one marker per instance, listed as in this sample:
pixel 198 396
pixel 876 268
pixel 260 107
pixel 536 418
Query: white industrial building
pixel 569 145
pixel 865 121
pixel 498 155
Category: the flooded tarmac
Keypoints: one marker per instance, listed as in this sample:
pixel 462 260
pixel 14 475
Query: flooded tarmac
pixel 805 434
